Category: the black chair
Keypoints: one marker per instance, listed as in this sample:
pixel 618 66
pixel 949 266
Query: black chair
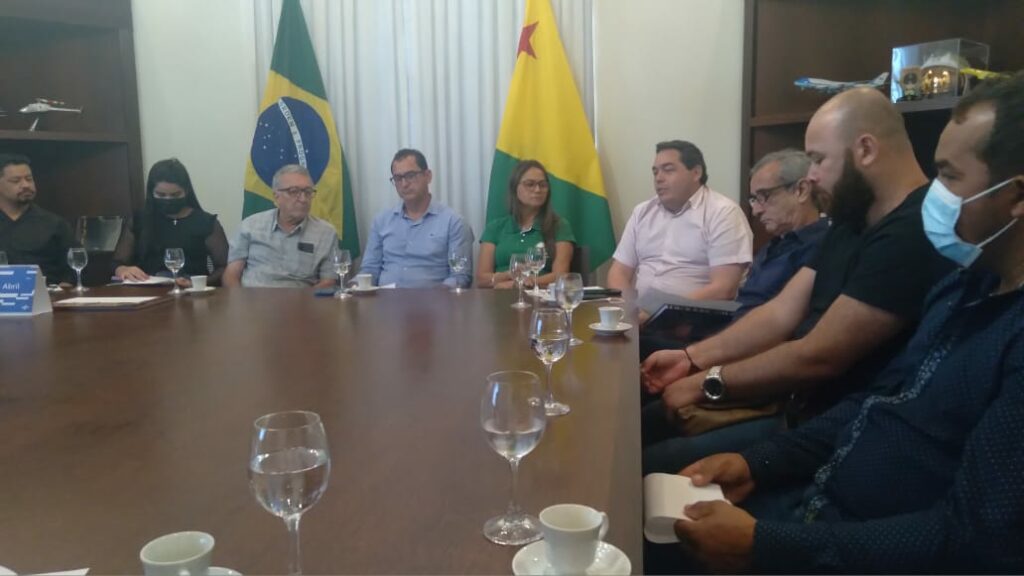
pixel 581 263
pixel 98 235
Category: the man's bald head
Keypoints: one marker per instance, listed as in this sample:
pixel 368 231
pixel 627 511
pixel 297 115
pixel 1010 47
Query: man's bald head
pixel 861 111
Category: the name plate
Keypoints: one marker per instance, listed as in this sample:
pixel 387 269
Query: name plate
pixel 22 292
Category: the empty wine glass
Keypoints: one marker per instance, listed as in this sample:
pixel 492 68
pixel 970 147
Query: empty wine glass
pixel 457 262
pixel 288 469
pixel 512 415
pixel 78 259
pixel 549 338
pixel 341 260
pixel 568 293
pixel 537 258
pixel 3 258
pixel 519 268
pixel 174 260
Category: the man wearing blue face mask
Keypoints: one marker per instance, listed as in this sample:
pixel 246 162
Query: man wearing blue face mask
pixel 925 471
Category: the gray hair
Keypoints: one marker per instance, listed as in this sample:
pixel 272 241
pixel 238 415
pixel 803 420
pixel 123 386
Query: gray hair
pixel 289 169
pixel 793 164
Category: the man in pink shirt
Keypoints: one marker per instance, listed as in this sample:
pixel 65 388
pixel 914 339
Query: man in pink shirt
pixel 689 241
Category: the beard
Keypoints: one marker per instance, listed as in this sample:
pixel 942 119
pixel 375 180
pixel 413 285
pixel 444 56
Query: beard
pixel 852 197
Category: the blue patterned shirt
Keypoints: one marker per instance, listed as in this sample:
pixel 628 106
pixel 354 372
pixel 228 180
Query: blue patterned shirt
pixel 925 470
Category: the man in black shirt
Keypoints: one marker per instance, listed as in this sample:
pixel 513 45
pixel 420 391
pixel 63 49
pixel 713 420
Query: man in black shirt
pixel 29 234
pixel 847 313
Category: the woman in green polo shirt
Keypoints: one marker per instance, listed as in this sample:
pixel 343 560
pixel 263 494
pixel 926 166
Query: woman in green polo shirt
pixel 532 221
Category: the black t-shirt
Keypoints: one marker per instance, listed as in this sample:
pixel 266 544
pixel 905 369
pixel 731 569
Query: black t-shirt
pixel 890 266
pixel 38 237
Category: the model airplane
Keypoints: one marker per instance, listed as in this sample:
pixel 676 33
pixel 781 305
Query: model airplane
pixel 833 86
pixel 42 106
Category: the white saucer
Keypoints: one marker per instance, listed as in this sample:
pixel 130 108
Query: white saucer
pixel 197 291
pixel 221 571
pixel 358 290
pixel 532 559
pixel 620 329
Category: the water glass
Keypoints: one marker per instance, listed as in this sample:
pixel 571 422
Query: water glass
pixel 341 260
pixel 537 258
pixel 512 416
pixel 568 293
pixel 174 260
pixel 518 267
pixel 457 263
pixel 288 469
pixel 549 338
pixel 78 259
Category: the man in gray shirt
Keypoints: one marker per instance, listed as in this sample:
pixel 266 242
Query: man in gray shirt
pixel 284 247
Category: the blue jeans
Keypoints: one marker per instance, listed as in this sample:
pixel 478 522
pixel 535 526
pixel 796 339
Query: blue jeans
pixel 664 450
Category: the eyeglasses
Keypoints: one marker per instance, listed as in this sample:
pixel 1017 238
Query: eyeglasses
pixel 296 193
pixel 764 194
pixel 405 177
pixel 535 184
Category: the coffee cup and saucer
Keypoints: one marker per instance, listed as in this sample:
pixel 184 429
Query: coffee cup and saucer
pixel 181 554
pixel 611 321
pixel 363 284
pixel 572 544
pixel 199 286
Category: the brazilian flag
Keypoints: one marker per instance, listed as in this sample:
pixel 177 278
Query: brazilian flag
pixel 296 126
pixel 544 120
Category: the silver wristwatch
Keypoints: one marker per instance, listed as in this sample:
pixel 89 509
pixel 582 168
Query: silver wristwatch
pixel 714 385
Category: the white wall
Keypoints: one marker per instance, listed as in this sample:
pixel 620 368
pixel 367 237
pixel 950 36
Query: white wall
pixel 665 69
pixel 196 66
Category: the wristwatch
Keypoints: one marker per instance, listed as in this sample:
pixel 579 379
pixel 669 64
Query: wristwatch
pixel 714 385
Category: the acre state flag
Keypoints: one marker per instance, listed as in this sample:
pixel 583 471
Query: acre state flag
pixel 544 120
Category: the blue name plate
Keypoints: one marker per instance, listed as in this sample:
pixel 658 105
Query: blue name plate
pixel 19 290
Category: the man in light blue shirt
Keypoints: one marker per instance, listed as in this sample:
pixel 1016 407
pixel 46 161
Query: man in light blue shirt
pixel 409 244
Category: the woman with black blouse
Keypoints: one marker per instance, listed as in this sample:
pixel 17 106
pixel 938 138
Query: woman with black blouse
pixel 171 218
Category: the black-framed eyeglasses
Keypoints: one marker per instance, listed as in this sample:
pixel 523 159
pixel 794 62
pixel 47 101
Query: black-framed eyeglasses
pixel 294 193
pixel 535 184
pixel 761 196
pixel 405 177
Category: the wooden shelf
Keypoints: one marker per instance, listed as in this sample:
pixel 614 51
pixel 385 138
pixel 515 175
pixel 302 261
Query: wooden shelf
pixel 929 105
pixel 45 136
pixel 783 119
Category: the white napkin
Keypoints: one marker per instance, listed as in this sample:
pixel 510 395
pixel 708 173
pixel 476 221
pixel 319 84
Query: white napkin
pixel 665 496
pixel 78 572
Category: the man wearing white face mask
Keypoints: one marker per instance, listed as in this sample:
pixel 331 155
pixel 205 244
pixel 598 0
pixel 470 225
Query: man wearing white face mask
pixel 924 472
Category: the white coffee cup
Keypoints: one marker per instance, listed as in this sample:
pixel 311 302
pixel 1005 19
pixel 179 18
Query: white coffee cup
pixel 178 554
pixel 364 281
pixel 611 316
pixel 198 282
pixel 571 535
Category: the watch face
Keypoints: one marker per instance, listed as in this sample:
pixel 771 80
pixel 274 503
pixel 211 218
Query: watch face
pixel 713 388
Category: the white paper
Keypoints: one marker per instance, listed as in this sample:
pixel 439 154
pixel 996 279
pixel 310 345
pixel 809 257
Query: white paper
pixel 665 496
pixel 151 281
pixel 94 300
pixel 76 572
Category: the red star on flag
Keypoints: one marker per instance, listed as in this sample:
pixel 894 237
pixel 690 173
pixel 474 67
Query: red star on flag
pixel 524 40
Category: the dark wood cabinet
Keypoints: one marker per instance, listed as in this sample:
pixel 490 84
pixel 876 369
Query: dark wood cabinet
pixel 853 40
pixel 80 52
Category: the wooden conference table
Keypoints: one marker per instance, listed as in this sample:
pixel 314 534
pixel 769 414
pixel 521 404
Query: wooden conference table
pixel 120 426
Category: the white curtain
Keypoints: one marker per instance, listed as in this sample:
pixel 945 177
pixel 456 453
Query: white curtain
pixel 425 74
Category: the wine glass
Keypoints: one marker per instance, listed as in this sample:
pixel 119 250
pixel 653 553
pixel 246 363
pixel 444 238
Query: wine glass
pixel 549 338
pixel 78 259
pixel 568 293
pixel 174 260
pixel 288 469
pixel 457 262
pixel 342 262
pixel 3 258
pixel 512 415
pixel 537 258
pixel 519 268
